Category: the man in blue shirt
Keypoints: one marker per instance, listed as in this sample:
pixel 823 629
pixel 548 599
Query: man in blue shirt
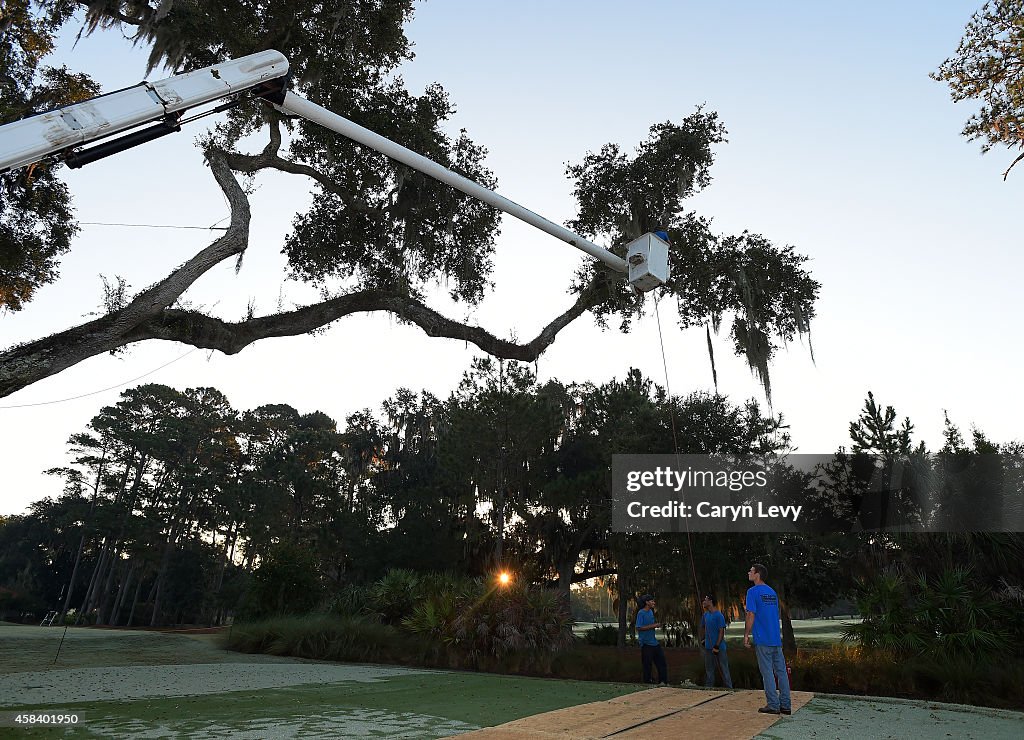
pixel 713 624
pixel 650 650
pixel 763 624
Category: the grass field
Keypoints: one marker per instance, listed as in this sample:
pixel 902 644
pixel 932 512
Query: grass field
pixel 148 684
pixel 129 684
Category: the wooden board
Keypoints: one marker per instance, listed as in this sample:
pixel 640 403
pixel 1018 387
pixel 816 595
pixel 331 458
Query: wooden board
pixel 653 715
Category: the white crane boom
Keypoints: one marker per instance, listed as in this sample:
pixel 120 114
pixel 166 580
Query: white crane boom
pixel 162 104
pixel 30 139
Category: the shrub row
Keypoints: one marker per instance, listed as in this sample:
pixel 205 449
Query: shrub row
pixel 979 680
pixel 358 639
pixel 840 669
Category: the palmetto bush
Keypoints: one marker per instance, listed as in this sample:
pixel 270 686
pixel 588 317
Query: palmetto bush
pixel 395 595
pixel 965 619
pixel 442 598
pixel 480 626
pixel 401 594
pixel 351 601
pixel 516 620
pixel 947 615
pixel 886 612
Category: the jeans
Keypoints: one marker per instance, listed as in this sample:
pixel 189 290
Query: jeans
pixel 653 654
pixel 722 659
pixel 773 666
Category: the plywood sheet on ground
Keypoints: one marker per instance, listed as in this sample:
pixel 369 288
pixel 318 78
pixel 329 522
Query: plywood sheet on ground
pixel 654 714
pixel 666 699
pixel 704 723
pixel 590 720
pixel 734 715
pixel 600 719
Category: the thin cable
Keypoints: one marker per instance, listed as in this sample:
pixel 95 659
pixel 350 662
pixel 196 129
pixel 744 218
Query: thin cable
pixel 675 443
pixel 155 226
pixel 102 390
pixel 61 643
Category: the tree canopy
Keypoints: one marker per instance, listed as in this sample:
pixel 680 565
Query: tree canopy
pixel 36 223
pixel 377 235
pixel 989 67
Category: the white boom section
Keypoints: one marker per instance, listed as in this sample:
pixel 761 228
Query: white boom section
pixel 30 139
pixel 299 106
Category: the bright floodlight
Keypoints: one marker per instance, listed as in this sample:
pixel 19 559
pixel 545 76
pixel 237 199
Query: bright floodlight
pixel 504 578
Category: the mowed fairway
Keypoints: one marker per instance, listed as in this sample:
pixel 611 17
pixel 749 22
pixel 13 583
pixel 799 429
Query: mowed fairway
pixel 130 684
pixel 155 685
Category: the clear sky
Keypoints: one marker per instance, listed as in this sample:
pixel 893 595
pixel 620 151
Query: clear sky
pixel 839 144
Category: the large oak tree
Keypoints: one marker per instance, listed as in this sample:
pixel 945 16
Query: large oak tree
pixel 377 235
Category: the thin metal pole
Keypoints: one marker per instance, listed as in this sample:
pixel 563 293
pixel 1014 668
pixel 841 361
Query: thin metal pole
pixel 301 107
pixel 61 643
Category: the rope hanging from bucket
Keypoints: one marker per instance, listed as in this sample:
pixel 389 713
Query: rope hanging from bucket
pixel 675 444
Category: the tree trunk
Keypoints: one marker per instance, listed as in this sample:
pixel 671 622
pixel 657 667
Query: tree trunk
pixel 104 562
pixel 156 601
pixel 129 497
pixel 165 560
pixel 566 571
pixel 230 537
pixel 150 315
pixel 108 587
pixel 90 592
pixel 624 597
pixel 159 585
pixel 115 614
pixel 135 600
pixel 85 528
pixel 788 636
pixel 74 576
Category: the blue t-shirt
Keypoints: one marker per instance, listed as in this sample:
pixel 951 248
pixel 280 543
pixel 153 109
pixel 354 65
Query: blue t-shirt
pixel 763 602
pixel 645 637
pixel 713 621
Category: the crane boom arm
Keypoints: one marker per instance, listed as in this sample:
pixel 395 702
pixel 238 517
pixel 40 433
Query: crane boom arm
pixel 298 105
pixel 30 139
pixel 60 131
